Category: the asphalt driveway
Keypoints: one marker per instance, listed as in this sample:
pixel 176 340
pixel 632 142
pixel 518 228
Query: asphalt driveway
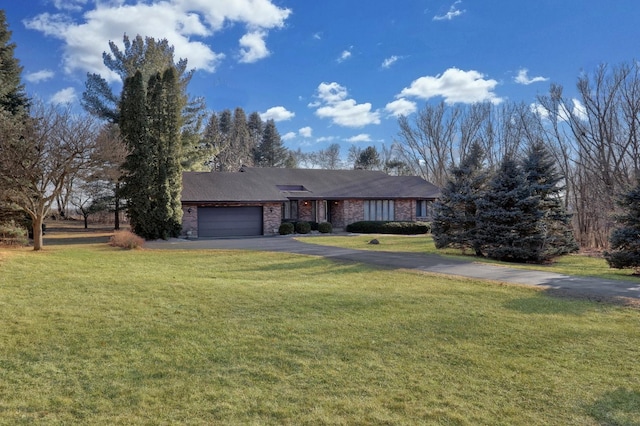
pixel 594 288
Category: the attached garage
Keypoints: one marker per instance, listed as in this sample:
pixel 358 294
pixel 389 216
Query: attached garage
pixel 229 221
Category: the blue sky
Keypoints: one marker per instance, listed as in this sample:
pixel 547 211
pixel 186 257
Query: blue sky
pixel 333 71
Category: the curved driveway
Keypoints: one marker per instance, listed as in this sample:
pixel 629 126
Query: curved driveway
pixel 557 283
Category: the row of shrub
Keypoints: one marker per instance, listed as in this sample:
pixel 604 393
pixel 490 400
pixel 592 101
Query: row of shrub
pixel 388 227
pixel 303 227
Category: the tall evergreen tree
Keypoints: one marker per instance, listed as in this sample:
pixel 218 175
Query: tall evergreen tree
pixel 271 152
pixel 164 135
pixel 149 57
pixel 545 182
pixel 625 238
pixel 256 128
pixel 454 221
pixel 13 105
pixel 139 166
pixel 509 225
pixel 12 95
pixel 240 141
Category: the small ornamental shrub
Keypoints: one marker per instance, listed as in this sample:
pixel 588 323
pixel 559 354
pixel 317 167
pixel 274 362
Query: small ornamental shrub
pixel 388 227
pixel 286 228
pixel 314 225
pixel 126 239
pixel 303 227
pixel 325 227
pixel 13 235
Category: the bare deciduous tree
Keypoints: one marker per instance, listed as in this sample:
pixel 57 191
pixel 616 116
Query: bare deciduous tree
pixel 38 155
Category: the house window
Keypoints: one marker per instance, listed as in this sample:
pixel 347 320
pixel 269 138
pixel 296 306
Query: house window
pixel 290 210
pixel 422 208
pixel 379 210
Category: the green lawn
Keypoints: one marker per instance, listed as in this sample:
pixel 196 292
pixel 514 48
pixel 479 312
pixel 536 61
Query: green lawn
pixel 573 264
pixel 96 335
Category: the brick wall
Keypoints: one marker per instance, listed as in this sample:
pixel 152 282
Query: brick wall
pixel 405 210
pixel 189 222
pixel 271 218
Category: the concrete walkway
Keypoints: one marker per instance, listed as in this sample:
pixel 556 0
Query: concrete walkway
pixel 593 288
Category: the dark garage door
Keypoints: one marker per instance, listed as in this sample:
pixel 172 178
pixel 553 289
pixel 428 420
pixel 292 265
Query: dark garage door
pixel 229 221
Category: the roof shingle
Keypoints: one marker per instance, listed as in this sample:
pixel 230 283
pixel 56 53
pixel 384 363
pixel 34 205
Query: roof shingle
pixel 254 184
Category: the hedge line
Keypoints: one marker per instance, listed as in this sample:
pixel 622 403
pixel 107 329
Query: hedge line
pixel 389 227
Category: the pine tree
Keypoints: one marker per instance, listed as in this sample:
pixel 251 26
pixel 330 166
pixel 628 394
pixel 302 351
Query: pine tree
pixel 625 239
pixel 545 183
pixel 12 95
pixel 454 221
pixel 240 140
pixel 256 129
pixel 271 152
pixel 140 164
pixel 509 225
pixel 149 57
pixel 367 159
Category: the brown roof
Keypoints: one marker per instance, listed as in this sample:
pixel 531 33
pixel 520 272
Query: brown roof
pixel 254 184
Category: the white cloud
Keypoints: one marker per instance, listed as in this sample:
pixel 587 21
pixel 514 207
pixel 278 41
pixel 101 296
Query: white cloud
pixel 523 78
pixel 317 36
pixel 288 136
pixel 346 54
pixel 179 21
pixel 254 47
pixel 64 96
pixel 401 107
pixel 453 12
pixel 578 110
pixel 39 76
pixel 333 104
pixel 362 137
pixel 278 113
pixel 326 139
pixel 539 110
pixel 454 86
pixel 305 132
pixel 390 61
pixel 71 5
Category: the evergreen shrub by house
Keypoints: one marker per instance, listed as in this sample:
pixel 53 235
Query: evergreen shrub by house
pixel 325 227
pixel 286 228
pixel 388 227
pixel 303 227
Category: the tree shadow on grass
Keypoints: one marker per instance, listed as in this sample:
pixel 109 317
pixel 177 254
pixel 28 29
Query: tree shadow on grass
pixel 620 407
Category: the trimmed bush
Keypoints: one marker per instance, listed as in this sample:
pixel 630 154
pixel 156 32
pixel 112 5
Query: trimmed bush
pixel 286 228
pixel 303 227
pixel 126 239
pixel 13 235
pixel 314 225
pixel 325 227
pixel 388 227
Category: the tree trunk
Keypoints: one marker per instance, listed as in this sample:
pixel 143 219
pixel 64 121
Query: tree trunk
pixel 117 207
pixel 37 232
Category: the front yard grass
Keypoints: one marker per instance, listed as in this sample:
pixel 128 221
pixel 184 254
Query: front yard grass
pixel 573 264
pixel 96 335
